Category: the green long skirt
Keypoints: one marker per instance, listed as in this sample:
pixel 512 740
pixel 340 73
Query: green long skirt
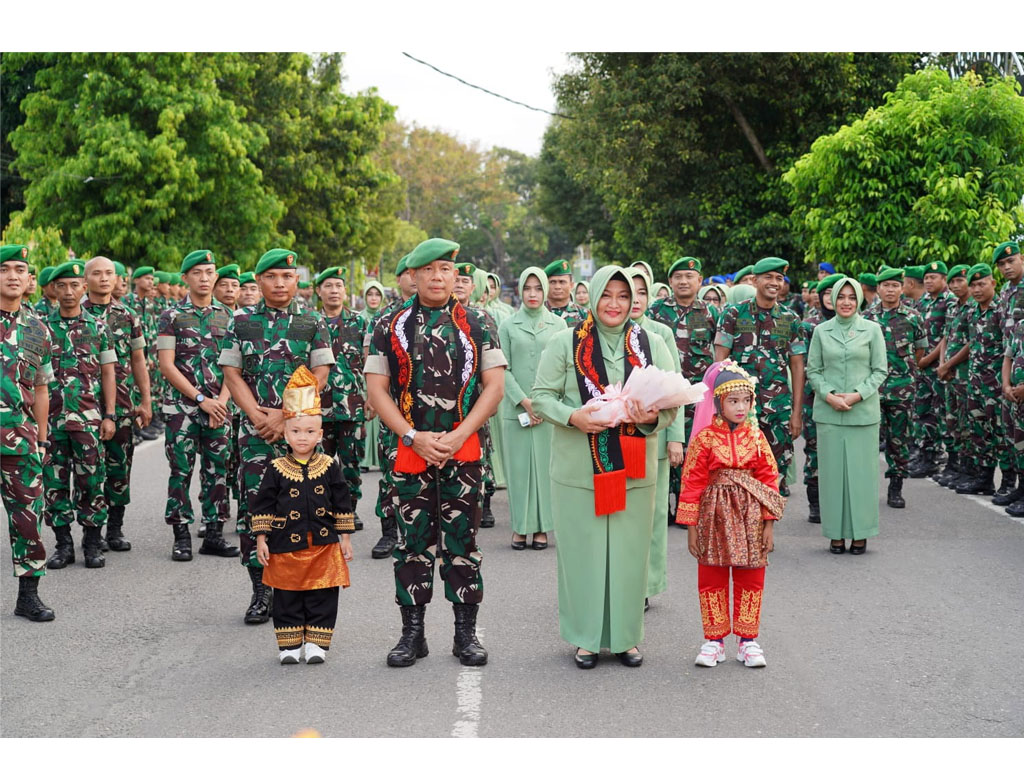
pixel 528 463
pixel 657 569
pixel 497 458
pixel 370 444
pixel 602 567
pixel 848 481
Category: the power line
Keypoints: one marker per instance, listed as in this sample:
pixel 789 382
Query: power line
pixel 480 88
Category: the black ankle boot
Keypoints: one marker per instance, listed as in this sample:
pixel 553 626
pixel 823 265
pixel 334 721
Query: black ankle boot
pixel 182 549
pixel 926 467
pixel 952 470
pixel 215 543
pixel 388 539
pixel 982 483
pixel 812 501
pixel 115 537
pixel 262 601
pixel 466 646
pixel 29 605
pixel 356 521
pixel 64 553
pixel 1008 492
pixel 91 551
pixel 894 498
pixel 412 644
pixel 486 518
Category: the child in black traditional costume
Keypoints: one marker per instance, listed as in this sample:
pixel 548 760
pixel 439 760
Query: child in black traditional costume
pixel 302 506
pixel 730 501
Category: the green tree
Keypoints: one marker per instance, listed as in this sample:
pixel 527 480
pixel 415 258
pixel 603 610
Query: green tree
pixel 936 172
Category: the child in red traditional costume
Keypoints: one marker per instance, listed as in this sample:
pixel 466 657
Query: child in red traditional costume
pixel 302 506
pixel 730 501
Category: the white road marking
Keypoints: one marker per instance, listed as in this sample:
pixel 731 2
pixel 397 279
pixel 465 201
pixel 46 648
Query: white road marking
pixel 470 698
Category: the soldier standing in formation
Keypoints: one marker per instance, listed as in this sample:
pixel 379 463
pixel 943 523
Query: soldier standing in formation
pixel 226 291
pixel 1007 258
pixel 955 377
pixel 560 301
pixel 248 290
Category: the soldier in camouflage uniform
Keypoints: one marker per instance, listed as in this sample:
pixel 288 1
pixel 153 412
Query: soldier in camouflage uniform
pixel 560 293
pixel 435 375
pixel 869 285
pixel 133 401
pixel 929 400
pixel 24 402
pixel 955 377
pixel 264 345
pixel 766 341
pixel 226 291
pixel 143 303
pixel 344 396
pixel 189 342
pixel 48 301
pixel 1007 258
pixel 248 290
pixel 693 325
pixel 984 385
pixel 905 345
pixel 84 383
pixel 1013 387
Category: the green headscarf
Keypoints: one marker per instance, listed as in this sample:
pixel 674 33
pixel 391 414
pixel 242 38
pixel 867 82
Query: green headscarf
pixel 479 288
pixel 634 272
pixel 858 291
pixel 368 313
pixel 740 293
pixel 723 292
pixel 533 316
pixel 586 285
pixel 657 287
pixel 611 336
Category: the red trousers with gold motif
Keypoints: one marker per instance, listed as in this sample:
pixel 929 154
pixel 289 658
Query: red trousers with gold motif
pixel 713 588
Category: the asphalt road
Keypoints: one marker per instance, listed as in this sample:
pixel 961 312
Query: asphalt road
pixel 914 638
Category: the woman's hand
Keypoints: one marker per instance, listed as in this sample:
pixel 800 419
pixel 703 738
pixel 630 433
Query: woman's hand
pixel 262 551
pixel 636 414
pixel 691 541
pixel 527 404
pixel 851 398
pixel 585 422
pixel 768 537
pixel 838 402
pixel 346 546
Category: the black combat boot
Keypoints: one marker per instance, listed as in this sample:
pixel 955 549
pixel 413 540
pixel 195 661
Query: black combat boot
pixel 104 547
pixel 952 469
pixel 466 646
pixel 895 496
pixel 388 539
pixel 981 484
pixel 115 538
pixel 487 519
pixel 201 533
pixel 29 605
pixel 182 549
pixel 91 551
pixel 64 552
pixel 258 611
pixel 1008 491
pixel 356 521
pixel 926 467
pixel 412 644
pixel 215 543
pixel 812 501
pixel 1016 509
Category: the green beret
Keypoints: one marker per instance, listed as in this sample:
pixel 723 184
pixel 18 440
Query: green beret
pixel 402 264
pixel 870 279
pixel 558 267
pixel 466 269
pixel 276 258
pixel 304 284
pixel 13 252
pixel 743 273
pixel 142 272
pixel 230 271
pixel 44 276
pixel 429 251
pixel 936 267
pixel 882 268
pixel 70 268
pixel 159 276
pixel 826 283
pixel 196 258
pixel 772 264
pixel 687 262
pixel 977 272
pixel 246 277
pixel 958 270
pixel 120 270
pixel 917 273
pixel 1005 251
pixel 891 273
pixel 811 285
pixel 338 272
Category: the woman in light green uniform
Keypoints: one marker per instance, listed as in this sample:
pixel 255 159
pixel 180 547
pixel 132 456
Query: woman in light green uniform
pixel 527 449
pixel 657 569
pixel 373 303
pixel 581 297
pixel 499 310
pixel 846 363
pixel 604 536
pixel 482 299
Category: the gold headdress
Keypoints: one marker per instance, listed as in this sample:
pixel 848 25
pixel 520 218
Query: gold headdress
pixel 301 396
pixel 732 378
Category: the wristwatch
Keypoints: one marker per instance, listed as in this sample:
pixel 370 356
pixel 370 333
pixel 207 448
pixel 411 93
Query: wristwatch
pixel 408 437
pixel 200 397
pixel 110 416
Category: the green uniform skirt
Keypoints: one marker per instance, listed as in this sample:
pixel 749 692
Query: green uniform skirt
pixel 528 463
pixel 497 459
pixel 657 568
pixel 848 480
pixel 370 444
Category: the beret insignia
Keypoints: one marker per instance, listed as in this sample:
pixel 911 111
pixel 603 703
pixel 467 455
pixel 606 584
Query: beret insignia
pixel 289 259
pixel 74 268
pixel 1008 250
pixel 24 252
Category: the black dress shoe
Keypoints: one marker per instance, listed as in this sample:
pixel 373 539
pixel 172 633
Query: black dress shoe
pixel 837 549
pixel 517 545
pixel 647 604
pixel 631 658
pixel 539 544
pixel 585 660
pixel 858 549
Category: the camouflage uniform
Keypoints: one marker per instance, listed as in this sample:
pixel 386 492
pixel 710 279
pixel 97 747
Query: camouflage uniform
pixel 1015 424
pixel 387 442
pixel 80 346
pixel 956 389
pixel 441 506
pixel 572 312
pixel 197 336
pixel 984 388
pixel 488 482
pixel 25 353
pixel 148 312
pixel 1011 314
pixel 343 398
pixel 930 397
pixel 903 329
pixel 268 344
pixel 761 341
pixel 810 431
pixel 42 308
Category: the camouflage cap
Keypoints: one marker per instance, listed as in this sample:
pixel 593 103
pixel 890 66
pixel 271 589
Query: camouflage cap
pixel 978 272
pixel 870 279
pixel 429 251
pixel 891 273
pixel 1005 251
pixel 14 252
pixel 558 267
pixel 276 258
pixel 770 264
pixel 142 272
pixel 958 270
pixel 196 258
pixel 337 272
pixel 230 271
pixel 915 273
pixel 70 268
pixel 686 263
pixel 936 267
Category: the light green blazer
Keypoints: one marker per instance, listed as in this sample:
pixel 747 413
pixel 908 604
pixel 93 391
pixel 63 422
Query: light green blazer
pixel 847 359
pixel 523 342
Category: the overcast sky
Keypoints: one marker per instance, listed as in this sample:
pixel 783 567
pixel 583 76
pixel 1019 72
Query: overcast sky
pixel 434 101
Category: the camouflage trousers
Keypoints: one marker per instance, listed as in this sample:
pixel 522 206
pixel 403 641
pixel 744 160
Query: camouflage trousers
pixel 487 482
pixel 675 474
pixel 775 427
pixel 928 404
pixel 438 509
pixel 955 415
pixel 387 451
pixel 21 483
pixel 185 437
pixel 344 439
pixel 986 444
pixel 1013 422
pixel 118 454
pixel 255 454
pixel 896 418
pixel 810 433
pixel 233 461
pixel 74 454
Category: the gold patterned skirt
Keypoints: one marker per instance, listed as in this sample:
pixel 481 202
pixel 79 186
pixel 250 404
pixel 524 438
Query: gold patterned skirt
pixel 315 567
pixel 731 523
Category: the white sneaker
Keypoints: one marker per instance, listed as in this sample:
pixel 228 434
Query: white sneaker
pixel 751 655
pixel 289 657
pixel 711 654
pixel 314 653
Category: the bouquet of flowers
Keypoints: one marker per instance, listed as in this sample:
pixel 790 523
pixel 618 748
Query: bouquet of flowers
pixel 650 388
